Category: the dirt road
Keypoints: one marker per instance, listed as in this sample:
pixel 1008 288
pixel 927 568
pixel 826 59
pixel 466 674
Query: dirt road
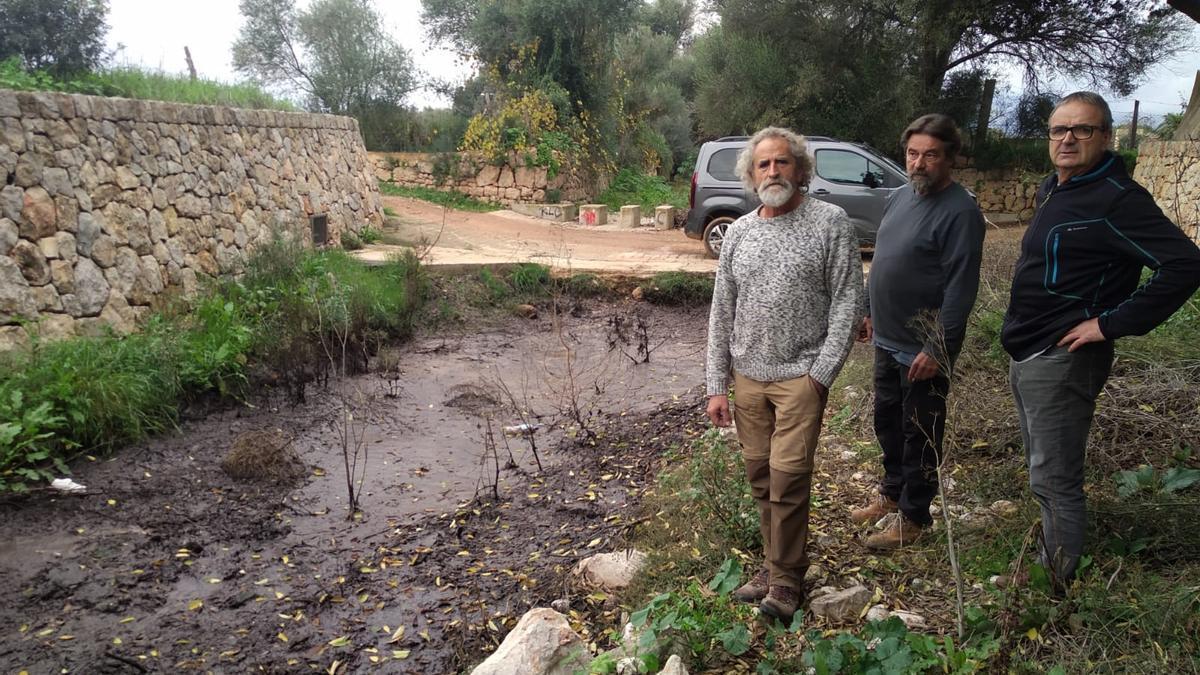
pixel 463 238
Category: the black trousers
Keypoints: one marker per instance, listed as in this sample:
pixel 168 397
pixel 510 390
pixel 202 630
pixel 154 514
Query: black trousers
pixel 910 420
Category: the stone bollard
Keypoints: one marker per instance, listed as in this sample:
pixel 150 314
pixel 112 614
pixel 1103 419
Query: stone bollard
pixel 631 217
pixel 664 217
pixel 593 214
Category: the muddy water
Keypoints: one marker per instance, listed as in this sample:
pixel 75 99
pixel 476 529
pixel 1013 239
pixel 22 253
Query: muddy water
pixel 167 564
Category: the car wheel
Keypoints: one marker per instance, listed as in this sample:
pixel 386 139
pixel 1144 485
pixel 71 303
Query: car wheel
pixel 714 234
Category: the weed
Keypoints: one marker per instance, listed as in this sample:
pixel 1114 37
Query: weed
pixel 888 647
pixel 496 288
pixel 369 235
pixel 350 241
pixel 530 278
pixel 679 288
pixel 582 285
pixel 451 199
pixel 631 187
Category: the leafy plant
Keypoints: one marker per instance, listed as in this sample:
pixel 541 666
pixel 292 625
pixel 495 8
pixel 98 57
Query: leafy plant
pixel 26 440
pixel 679 288
pixel 888 647
pixel 631 187
pixel 369 235
pixel 1148 479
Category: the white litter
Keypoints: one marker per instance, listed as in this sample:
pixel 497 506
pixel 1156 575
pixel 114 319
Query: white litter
pixel 521 429
pixel 67 485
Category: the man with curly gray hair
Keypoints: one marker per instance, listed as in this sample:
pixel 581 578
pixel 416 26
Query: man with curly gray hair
pixel 785 309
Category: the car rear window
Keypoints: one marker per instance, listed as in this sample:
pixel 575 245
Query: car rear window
pixel 723 164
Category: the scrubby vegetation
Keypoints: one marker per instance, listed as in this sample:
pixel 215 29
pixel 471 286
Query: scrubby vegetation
pixel 631 187
pixel 1135 606
pixel 132 82
pixel 451 199
pixel 276 325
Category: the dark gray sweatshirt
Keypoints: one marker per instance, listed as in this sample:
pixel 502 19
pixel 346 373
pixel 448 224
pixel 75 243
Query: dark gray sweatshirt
pixel 926 264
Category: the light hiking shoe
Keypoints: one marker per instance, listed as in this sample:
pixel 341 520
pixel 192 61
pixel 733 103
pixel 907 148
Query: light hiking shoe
pixel 882 506
pixel 901 532
pixel 754 590
pixel 781 603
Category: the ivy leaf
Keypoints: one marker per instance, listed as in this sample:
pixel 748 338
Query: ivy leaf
pixel 736 639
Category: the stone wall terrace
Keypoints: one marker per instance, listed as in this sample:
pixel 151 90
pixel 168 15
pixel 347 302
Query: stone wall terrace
pixel 105 203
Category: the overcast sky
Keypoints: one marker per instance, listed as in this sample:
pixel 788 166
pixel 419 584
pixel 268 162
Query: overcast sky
pixel 154 32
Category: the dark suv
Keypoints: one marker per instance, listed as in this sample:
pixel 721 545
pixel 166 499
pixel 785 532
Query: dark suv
pixel 853 176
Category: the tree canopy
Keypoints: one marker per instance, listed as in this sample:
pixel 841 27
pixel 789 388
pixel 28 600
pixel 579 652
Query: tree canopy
pixel 851 68
pixel 336 53
pixel 62 36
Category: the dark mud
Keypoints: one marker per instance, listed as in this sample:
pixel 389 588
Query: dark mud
pixel 166 564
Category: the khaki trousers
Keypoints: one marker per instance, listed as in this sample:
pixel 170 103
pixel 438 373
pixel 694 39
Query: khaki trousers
pixel 778 424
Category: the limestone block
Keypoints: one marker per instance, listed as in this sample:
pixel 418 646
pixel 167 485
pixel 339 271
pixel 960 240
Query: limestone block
pixel 62 275
pixel 530 176
pixel 68 213
pixel 29 170
pixel 541 644
pixel 593 214
pixel 55 327
pixel 39 215
pixel 12 201
pixel 31 262
pixel 611 570
pixel 117 314
pixel 506 177
pixel 631 217
pixel 664 217
pixel 16 298
pixel 12 135
pixel 512 193
pixel 49 247
pixel 8 235
pixel 124 273
pixel 104 251
pixel 842 606
pixel 67 248
pixel 46 298
pixel 57 181
pixel 13 338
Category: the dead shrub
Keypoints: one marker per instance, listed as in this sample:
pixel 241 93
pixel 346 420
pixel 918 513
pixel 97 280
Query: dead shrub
pixel 263 455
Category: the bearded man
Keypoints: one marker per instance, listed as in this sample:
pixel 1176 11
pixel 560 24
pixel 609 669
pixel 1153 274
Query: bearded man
pixel 785 309
pixel 924 278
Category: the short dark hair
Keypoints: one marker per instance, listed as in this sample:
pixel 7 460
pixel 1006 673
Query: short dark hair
pixel 1090 98
pixel 941 127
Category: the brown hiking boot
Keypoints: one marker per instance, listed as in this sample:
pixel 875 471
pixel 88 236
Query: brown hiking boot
pixel 882 506
pixel 754 590
pixel 901 532
pixel 781 603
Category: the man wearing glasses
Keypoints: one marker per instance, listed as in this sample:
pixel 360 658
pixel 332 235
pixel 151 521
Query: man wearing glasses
pixel 1076 290
pixel 923 283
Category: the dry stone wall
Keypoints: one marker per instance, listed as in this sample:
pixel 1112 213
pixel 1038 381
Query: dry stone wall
pixel 1001 191
pixel 105 203
pixel 1170 170
pixel 507 183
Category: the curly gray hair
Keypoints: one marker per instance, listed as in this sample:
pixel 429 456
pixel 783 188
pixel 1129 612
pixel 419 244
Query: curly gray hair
pixel 804 163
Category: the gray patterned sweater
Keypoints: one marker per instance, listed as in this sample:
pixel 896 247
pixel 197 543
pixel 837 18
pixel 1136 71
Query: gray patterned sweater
pixel 788 297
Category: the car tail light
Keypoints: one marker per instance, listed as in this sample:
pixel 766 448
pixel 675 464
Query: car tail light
pixel 692 192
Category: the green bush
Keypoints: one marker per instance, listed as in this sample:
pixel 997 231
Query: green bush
pixel 712 481
pixel 679 288
pixel 631 187
pixel 369 235
pixel 350 241
pixel 529 278
pixel 583 285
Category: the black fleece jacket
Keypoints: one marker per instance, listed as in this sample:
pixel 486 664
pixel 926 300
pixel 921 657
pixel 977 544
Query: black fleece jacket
pixel 1082 257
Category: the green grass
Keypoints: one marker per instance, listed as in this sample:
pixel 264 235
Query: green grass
pixel 679 288
pixel 630 187
pixel 451 199
pixel 133 82
pixel 289 317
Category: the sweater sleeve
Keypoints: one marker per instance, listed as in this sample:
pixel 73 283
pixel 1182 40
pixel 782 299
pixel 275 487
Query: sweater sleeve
pixel 1147 236
pixel 962 252
pixel 844 276
pixel 720 321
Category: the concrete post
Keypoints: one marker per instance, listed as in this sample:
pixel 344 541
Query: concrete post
pixel 593 214
pixel 631 217
pixel 664 217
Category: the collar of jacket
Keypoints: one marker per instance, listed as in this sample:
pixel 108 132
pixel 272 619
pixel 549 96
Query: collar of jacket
pixel 1110 164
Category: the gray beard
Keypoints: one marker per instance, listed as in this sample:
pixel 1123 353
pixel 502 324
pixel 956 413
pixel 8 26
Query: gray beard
pixel 921 184
pixel 777 194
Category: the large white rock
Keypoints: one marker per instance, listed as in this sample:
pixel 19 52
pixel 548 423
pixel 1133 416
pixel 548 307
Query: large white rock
pixel 674 666
pixel 842 606
pixel 541 644
pixel 611 570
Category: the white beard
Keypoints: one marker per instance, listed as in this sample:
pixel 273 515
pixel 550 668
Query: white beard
pixel 777 194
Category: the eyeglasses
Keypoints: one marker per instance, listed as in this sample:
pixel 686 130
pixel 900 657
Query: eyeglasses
pixel 1081 132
